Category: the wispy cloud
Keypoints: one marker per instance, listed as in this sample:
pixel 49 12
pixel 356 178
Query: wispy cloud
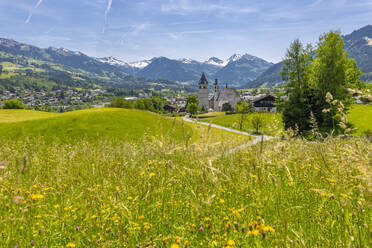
pixel 186 6
pixel 134 31
pixel 109 4
pixel 178 35
pixel 32 11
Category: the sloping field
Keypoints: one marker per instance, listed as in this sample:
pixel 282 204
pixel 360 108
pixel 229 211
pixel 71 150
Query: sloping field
pixel 104 123
pixel 162 188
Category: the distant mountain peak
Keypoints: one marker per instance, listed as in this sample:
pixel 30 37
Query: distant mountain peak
pixel 112 61
pixel 215 61
pixel 235 57
pixel 186 60
pixel 141 64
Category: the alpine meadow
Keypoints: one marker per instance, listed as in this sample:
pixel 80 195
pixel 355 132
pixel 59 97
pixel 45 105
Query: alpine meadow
pixel 150 148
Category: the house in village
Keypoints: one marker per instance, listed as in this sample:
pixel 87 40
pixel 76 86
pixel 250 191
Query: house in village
pixel 264 103
pixel 261 103
pixel 226 95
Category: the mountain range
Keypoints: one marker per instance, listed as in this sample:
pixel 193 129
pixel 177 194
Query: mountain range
pixel 236 71
pixel 358 44
pixel 63 66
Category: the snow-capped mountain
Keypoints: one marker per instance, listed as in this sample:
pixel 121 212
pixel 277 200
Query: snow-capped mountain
pixel 216 61
pixel 112 61
pixel 140 64
pixel 241 69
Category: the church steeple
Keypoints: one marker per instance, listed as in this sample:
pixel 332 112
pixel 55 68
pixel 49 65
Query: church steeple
pixel 216 88
pixel 203 80
pixel 203 92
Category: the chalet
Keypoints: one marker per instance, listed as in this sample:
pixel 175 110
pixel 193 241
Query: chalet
pixel 264 104
pixel 171 108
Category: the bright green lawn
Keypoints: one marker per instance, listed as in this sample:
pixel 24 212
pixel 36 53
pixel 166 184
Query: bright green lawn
pixel 104 123
pixel 272 122
pixel 93 124
pixel 361 118
pixel 10 115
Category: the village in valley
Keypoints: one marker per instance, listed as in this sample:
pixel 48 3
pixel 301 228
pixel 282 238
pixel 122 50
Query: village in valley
pixel 111 136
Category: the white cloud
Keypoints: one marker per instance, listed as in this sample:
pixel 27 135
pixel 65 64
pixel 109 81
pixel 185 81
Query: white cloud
pixel 186 6
pixel 134 31
pixel 177 35
pixel 109 4
pixel 31 12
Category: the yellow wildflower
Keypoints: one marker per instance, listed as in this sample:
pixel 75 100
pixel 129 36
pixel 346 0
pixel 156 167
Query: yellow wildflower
pixel 175 246
pixel 37 196
pixel 230 243
pixel 71 245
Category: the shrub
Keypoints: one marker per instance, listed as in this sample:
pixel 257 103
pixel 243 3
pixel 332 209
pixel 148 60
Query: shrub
pixel 226 107
pixel 13 104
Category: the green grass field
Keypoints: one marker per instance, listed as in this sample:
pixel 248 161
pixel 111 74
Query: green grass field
pixel 361 118
pixel 127 178
pixel 272 122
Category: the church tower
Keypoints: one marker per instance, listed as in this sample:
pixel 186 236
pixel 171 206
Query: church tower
pixel 216 92
pixel 203 92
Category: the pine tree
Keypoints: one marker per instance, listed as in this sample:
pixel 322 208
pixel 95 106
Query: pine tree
pixel 296 111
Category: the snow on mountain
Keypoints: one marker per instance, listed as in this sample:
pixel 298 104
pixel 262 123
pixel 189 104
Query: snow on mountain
pixel 187 60
pixel 112 61
pixel 140 64
pixel 216 61
pixel 234 58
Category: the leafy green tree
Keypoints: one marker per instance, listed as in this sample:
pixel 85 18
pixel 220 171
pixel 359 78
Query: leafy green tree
pixel 143 104
pixel 192 108
pixel 242 107
pixel 296 111
pixel 158 103
pixel 120 102
pixel 257 122
pixel 226 107
pixel 13 104
pixel 192 99
pixel 332 72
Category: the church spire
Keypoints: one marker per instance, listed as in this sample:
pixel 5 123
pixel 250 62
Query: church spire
pixel 203 79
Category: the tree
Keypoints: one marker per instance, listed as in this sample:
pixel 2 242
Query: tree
pixel 296 111
pixel 226 107
pixel 332 72
pixel 13 104
pixel 158 103
pixel 192 108
pixel 120 103
pixel 191 99
pixel 242 107
pixel 257 122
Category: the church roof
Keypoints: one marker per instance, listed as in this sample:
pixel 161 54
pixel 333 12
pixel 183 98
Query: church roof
pixel 227 94
pixel 203 79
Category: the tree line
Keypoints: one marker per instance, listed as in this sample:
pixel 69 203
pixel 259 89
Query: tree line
pixel 318 82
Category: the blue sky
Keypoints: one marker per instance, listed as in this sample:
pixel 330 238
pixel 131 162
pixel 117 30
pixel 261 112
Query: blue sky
pixel 140 29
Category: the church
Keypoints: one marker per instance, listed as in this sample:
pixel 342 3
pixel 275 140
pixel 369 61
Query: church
pixel 219 96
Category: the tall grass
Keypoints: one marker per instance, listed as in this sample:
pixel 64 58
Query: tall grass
pixel 159 192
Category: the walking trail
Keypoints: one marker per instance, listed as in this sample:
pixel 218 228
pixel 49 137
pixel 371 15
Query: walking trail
pixel 256 138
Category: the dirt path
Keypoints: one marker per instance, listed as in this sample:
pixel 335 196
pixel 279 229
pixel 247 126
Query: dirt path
pixel 257 138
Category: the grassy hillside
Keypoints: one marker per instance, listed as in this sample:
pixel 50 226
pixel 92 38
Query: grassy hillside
pixel 92 124
pixel 105 123
pixel 152 188
pixel 160 193
pixel 361 118
pixel 11 116
pixel 272 121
